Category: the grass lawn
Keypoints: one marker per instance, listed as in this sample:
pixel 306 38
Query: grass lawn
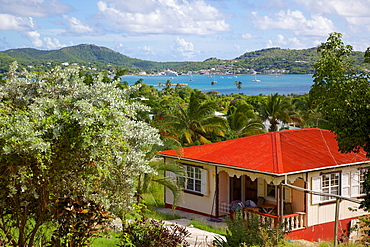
pixel 106 241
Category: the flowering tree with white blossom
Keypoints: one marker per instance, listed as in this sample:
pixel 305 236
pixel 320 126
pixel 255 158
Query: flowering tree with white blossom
pixel 62 138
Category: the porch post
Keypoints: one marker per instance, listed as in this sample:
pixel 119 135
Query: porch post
pixel 217 192
pixel 337 202
pixel 281 203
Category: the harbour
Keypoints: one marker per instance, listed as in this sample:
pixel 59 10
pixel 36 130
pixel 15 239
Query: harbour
pixel 261 84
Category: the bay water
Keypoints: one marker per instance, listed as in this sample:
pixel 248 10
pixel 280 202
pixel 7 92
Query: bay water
pixel 260 84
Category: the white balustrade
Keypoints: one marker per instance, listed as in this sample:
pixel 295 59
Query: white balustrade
pixel 294 221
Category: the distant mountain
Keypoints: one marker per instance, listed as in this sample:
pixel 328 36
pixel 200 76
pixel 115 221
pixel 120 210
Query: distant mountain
pixel 78 53
pixel 295 61
pixel 265 60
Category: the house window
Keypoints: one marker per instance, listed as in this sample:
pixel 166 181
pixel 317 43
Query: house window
pixel 196 179
pixel 326 183
pixel 330 185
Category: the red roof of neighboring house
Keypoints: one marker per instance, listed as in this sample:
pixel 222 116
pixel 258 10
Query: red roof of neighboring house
pixel 274 152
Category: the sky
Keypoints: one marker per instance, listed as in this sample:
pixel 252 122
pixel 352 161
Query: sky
pixel 182 30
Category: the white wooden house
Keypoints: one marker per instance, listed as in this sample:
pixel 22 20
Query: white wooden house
pixel 255 167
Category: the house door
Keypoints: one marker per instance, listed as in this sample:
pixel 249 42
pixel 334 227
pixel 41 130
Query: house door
pixel 235 188
pixel 250 189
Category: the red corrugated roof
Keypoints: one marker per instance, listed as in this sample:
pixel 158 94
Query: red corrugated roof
pixel 274 152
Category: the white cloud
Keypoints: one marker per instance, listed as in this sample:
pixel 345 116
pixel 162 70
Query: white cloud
pixel 35 8
pixel 354 12
pixel 76 27
pixel 184 48
pixel 269 43
pixel 34 37
pixel 52 43
pixel 237 48
pixel 281 41
pixel 358 23
pixel 144 52
pixel 296 22
pixel 248 36
pixel 163 16
pixel 289 42
pixel 346 8
pixel 11 22
pixel 45 43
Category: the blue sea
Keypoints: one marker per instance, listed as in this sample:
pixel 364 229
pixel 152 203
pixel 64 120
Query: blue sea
pixel 225 84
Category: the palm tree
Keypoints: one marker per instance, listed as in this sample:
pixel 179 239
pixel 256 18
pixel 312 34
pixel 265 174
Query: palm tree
pixel 275 110
pixel 307 110
pixel 197 121
pixel 238 85
pixel 244 121
pixel 147 180
pixel 168 83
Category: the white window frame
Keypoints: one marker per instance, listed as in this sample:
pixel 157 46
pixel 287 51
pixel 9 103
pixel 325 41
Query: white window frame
pixel 331 184
pixel 325 184
pixel 199 179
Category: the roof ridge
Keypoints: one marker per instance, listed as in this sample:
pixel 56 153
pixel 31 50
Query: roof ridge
pixel 278 165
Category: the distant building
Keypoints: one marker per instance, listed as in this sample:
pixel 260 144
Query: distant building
pixel 170 73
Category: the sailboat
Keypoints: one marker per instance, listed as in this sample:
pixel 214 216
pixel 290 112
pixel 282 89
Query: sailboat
pixel 214 80
pixel 255 78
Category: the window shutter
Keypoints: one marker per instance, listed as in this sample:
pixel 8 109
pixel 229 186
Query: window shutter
pixel 261 187
pixel 346 186
pixel 204 181
pixel 355 184
pixel 316 186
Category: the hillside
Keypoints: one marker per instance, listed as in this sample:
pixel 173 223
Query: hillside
pixel 82 54
pixel 272 60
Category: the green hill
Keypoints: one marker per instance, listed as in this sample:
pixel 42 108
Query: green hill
pixel 272 60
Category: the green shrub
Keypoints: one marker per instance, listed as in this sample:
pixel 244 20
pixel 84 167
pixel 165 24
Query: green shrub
pixel 249 232
pixel 150 232
pixel 78 222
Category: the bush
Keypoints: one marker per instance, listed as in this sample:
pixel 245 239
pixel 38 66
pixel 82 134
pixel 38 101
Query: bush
pixel 249 232
pixel 150 232
pixel 79 222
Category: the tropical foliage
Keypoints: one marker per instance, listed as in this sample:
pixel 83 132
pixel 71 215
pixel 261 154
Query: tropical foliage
pixel 147 180
pixel 195 123
pixel 342 94
pixel 243 120
pixel 62 138
pixel 275 110
pixel 250 231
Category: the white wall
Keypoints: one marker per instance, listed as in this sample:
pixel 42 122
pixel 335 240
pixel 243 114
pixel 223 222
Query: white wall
pixel 325 212
pixel 198 203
